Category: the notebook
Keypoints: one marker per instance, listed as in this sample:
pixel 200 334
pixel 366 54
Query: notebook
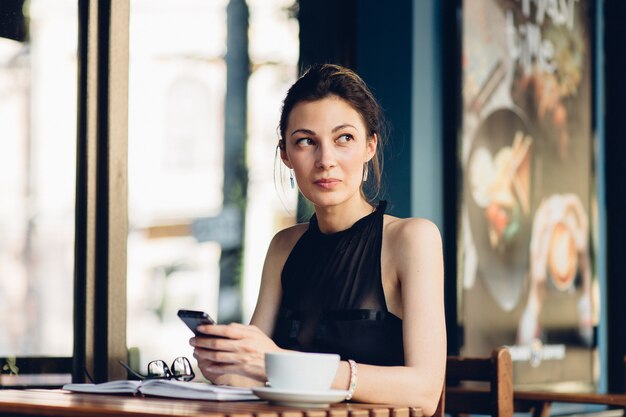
pixel 167 388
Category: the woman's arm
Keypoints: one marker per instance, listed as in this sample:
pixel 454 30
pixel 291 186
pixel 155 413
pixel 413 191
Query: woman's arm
pixel 234 354
pixel 270 292
pixel 415 249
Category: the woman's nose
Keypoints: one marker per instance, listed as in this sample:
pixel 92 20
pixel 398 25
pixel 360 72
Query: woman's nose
pixel 325 157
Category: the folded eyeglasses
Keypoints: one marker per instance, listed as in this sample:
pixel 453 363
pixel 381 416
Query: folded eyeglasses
pixel 180 370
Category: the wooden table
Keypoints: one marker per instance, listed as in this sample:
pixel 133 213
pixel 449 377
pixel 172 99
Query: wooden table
pixel 62 403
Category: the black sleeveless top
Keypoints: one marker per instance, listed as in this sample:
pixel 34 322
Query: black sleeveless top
pixel 333 299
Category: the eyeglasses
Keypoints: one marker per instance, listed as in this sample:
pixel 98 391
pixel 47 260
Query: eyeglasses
pixel 180 370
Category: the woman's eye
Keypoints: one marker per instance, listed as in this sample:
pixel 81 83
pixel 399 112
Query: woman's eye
pixel 344 138
pixel 304 142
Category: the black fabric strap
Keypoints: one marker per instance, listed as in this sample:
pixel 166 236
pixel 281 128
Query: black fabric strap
pixel 361 314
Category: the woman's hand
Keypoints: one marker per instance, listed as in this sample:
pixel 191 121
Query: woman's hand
pixel 232 349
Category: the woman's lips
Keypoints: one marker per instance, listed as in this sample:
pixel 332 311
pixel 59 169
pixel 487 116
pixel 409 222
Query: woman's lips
pixel 327 182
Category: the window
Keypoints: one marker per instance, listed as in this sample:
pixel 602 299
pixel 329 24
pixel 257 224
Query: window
pixel 38 107
pixel 177 96
pixel 181 221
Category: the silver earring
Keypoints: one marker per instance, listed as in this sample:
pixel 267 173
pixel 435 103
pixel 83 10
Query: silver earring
pixel 291 181
pixel 365 172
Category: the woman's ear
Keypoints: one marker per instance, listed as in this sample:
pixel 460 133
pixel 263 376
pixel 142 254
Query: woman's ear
pixel 284 157
pixel 372 143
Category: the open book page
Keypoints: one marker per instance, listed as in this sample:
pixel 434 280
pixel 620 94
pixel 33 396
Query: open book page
pixel 166 388
pixel 195 390
pixel 111 387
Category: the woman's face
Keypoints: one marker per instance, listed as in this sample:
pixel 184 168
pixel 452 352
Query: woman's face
pixel 326 144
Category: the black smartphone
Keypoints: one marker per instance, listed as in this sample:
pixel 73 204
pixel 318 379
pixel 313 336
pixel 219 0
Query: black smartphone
pixel 193 319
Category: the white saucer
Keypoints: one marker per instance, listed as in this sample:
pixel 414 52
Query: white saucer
pixel 298 398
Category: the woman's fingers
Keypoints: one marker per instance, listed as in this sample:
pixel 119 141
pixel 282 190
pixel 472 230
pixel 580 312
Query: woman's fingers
pixel 224 345
pixel 213 343
pixel 228 356
pixel 215 363
pixel 247 370
pixel 232 349
pixel 222 357
pixel 229 331
pixel 234 337
pixel 216 378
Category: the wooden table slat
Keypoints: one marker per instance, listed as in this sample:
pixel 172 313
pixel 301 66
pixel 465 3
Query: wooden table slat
pixel 316 413
pixel 63 403
pixel 406 412
pixel 413 412
pixel 336 412
pixel 291 413
pixel 355 412
pixel 267 414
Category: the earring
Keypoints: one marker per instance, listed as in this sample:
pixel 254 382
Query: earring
pixel 291 181
pixel 365 172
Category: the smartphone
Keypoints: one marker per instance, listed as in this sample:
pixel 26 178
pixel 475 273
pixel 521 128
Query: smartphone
pixel 193 319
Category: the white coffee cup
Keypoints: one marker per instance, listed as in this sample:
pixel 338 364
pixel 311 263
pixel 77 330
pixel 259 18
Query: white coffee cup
pixel 301 371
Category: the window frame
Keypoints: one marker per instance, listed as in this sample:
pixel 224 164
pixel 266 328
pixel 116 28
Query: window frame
pixel 101 191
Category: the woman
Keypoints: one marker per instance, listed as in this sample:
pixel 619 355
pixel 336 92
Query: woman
pixel 353 280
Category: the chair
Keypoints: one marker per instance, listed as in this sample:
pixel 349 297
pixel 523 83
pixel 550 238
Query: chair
pixel 496 370
pixel 539 403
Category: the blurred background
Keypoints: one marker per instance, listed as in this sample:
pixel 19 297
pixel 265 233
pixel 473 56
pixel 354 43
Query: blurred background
pixel 139 173
pixel 193 179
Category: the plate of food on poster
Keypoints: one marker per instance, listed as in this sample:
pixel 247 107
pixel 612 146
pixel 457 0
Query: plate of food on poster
pixel 497 190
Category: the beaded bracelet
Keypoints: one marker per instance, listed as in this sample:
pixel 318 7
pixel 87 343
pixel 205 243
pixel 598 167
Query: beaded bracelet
pixel 353 375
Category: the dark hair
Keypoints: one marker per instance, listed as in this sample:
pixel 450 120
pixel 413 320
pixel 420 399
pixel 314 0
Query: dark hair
pixel 322 80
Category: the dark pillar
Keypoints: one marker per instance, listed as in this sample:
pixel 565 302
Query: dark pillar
pixel 327 35
pixel 384 60
pixel 327 32
pixel 615 154
pixel 451 122
pixel 14 25
pixel 235 173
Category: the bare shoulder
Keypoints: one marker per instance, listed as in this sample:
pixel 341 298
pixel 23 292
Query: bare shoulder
pixel 413 248
pixel 284 241
pixel 270 292
pixel 410 231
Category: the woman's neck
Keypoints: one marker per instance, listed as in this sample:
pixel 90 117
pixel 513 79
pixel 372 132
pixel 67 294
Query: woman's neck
pixel 332 219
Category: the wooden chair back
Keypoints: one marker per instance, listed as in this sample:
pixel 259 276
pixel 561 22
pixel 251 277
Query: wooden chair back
pixel 539 403
pixel 496 372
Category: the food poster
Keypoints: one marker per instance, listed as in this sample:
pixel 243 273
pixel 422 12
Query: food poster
pixel 526 261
